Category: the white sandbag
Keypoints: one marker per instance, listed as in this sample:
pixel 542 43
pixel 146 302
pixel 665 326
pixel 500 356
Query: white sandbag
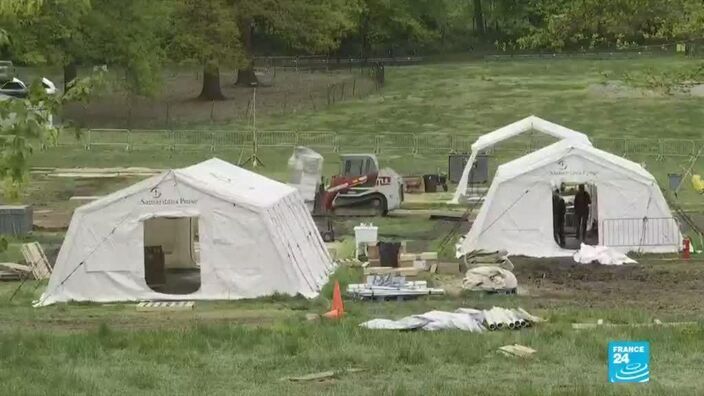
pixel 601 254
pixel 489 278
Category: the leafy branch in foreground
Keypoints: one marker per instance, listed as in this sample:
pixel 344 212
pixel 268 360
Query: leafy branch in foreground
pixel 27 123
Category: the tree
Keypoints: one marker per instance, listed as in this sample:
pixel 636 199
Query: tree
pixel 566 24
pixel 479 17
pixel 311 26
pixel 206 32
pixel 130 34
pixel 389 23
pixel 51 35
pixel 24 122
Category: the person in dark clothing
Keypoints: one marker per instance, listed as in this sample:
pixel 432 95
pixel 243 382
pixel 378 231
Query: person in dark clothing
pixel 558 217
pixel 581 212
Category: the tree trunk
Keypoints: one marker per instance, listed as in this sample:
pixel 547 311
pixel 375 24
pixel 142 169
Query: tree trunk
pixel 211 83
pixel 479 17
pixel 70 74
pixel 246 76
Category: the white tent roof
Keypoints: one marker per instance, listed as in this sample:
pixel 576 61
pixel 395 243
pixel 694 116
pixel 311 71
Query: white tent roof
pixel 531 123
pixel 235 183
pixel 219 178
pixel 557 150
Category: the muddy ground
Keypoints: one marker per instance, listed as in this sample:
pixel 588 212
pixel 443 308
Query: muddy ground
pixel 656 284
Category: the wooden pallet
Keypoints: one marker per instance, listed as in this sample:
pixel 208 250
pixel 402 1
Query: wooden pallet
pixel 36 259
pixel 16 267
pixel 150 306
pixel 9 276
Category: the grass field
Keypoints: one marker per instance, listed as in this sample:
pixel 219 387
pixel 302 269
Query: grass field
pixel 460 99
pixel 246 347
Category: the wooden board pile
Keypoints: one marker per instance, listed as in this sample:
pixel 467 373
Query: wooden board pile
pixel 13 271
pixel 423 261
pixel 385 287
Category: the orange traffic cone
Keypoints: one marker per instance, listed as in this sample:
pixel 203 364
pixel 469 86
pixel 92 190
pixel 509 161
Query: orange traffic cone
pixel 338 308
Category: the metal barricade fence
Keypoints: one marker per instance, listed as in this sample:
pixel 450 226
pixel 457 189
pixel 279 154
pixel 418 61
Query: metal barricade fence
pixel 107 137
pixel 640 232
pixel 415 143
pixel 320 140
pixel 394 141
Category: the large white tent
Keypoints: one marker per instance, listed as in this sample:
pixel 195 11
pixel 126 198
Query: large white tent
pixel 516 215
pixel 255 235
pixel 528 124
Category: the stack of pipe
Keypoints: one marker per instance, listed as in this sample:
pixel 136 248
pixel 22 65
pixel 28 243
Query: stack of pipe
pixel 498 318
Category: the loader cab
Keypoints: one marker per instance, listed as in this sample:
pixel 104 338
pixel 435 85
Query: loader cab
pixel 355 165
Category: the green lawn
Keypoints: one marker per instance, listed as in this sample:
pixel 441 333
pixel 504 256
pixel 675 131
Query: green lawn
pixel 459 99
pixel 246 347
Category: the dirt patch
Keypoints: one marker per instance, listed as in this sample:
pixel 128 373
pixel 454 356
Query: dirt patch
pixel 655 285
pixel 282 92
pixel 619 89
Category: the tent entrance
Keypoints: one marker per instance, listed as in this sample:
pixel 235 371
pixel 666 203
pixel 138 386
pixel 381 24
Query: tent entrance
pixel 171 255
pixel 568 191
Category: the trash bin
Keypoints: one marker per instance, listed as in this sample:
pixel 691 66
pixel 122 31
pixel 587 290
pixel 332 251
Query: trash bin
pixel 442 181
pixel 388 253
pixel 154 266
pixel 675 180
pixel 431 183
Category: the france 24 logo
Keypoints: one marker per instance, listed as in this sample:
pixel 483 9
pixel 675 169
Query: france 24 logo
pixel 629 361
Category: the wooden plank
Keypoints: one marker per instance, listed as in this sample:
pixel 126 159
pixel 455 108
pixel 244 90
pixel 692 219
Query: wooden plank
pixel 151 306
pixel 16 267
pixel 35 257
pixel 583 326
pixel 9 276
pixel 43 261
pixel 29 259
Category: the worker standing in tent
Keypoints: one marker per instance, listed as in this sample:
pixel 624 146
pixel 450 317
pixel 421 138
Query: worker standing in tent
pixel 558 217
pixel 582 200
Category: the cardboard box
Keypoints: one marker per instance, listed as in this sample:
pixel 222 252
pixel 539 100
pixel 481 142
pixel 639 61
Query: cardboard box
pixel 373 252
pixel 406 263
pixel 429 256
pixel 448 268
pixel 421 265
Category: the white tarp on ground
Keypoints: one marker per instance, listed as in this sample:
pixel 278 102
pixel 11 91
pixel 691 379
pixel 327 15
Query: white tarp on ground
pixel 531 123
pixel 256 238
pixel 465 319
pixel 602 255
pixel 431 321
pixel 517 213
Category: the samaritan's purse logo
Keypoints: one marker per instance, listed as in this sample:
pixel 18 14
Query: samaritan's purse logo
pixel 156 194
pixel 629 361
pixel 155 199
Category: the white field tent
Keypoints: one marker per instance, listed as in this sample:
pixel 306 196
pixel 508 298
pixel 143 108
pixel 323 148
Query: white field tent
pixel 255 236
pixel 528 124
pixel 631 211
